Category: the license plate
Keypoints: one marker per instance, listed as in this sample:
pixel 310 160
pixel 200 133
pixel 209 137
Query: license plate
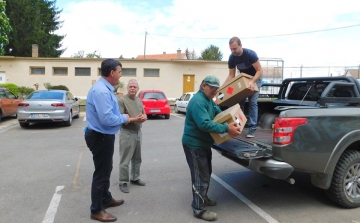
pixel 39 116
pixel 154 110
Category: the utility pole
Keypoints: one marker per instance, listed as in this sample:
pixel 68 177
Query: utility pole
pixel 145 45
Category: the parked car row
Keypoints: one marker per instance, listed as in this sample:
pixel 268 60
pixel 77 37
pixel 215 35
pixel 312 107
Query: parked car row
pixel 40 106
pixel 62 106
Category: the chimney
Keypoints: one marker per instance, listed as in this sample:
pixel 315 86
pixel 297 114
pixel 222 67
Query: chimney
pixel 35 50
pixel 179 54
pixel 164 52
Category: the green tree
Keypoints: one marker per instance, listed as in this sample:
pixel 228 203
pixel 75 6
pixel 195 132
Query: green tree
pixel 5 28
pixel 211 53
pixel 34 22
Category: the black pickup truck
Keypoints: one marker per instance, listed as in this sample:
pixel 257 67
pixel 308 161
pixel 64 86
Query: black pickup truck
pixel 312 126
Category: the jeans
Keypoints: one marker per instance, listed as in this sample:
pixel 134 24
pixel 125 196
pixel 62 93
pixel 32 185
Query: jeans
pixel 199 161
pixel 102 148
pixel 253 108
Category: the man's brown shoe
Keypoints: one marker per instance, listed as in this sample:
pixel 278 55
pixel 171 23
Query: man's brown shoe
pixel 103 216
pixel 113 203
pixel 138 182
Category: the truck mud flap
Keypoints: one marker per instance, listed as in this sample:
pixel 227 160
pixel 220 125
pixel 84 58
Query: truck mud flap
pixel 246 150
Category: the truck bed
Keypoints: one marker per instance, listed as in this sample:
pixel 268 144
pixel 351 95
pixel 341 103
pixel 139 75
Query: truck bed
pixel 247 148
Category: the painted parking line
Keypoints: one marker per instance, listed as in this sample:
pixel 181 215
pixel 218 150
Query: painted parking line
pixel 54 204
pixel 241 197
pixel 7 126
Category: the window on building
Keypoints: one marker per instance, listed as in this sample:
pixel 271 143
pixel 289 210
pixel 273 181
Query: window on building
pixel 151 72
pixel 128 72
pixel 60 71
pixel 37 70
pixel 99 71
pixel 82 71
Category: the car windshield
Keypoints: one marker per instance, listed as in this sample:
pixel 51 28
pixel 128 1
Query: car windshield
pixel 46 95
pixel 154 95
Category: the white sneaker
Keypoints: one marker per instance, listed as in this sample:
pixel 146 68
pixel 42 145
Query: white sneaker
pixel 251 134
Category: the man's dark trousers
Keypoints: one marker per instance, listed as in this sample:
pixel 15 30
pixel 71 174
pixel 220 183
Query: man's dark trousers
pixel 102 148
pixel 199 161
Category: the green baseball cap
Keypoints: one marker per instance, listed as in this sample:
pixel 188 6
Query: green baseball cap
pixel 212 81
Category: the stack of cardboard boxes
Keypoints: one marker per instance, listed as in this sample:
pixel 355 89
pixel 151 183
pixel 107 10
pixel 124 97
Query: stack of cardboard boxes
pixel 229 95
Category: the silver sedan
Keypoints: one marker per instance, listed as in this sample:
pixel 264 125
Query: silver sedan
pixel 48 106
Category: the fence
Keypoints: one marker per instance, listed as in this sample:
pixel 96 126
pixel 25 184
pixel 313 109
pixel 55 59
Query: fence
pixel 275 72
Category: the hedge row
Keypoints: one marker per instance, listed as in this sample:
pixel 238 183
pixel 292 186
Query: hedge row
pixel 22 91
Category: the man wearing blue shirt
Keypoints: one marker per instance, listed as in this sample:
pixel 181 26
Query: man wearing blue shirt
pixel 246 61
pixel 104 119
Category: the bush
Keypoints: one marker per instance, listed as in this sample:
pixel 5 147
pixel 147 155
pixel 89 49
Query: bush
pixel 12 87
pixel 47 85
pixel 25 91
pixel 59 87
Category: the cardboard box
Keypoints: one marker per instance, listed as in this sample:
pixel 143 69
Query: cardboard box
pixel 231 114
pixel 235 90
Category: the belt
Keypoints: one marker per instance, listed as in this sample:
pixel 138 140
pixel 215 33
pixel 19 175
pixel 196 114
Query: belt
pixel 129 130
pixel 96 132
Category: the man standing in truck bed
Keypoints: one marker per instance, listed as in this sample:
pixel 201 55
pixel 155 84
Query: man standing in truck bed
pixel 246 61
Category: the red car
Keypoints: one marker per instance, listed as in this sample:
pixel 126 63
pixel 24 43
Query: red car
pixel 155 103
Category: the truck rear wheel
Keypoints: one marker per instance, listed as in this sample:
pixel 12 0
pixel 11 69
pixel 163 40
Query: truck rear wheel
pixel 345 186
pixel 267 119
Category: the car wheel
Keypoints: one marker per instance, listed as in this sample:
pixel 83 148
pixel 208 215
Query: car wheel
pixel 345 186
pixel 24 124
pixel 176 109
pixel 78 114
pixel 68 122
pixel 167 116
pixel 15 115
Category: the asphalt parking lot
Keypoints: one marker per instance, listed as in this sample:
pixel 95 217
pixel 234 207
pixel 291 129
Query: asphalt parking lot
pixel 46 170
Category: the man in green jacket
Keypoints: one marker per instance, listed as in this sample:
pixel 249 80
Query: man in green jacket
pixel 197 143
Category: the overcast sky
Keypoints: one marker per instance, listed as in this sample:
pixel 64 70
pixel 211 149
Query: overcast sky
pixel 117 27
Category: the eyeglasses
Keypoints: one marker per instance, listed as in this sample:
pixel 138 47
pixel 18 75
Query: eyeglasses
pixel 212 88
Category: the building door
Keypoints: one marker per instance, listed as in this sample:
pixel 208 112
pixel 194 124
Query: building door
pixel 2 77
pixel 188 82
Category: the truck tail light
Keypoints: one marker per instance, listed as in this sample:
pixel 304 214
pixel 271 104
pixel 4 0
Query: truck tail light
pixel 284 129
pixel 23 104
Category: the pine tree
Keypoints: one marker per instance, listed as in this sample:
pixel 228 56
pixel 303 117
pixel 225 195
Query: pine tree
pixel 5 28
pixel 34 22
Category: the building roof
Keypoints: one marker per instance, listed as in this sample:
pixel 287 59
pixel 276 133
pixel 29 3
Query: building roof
pixel 164 56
